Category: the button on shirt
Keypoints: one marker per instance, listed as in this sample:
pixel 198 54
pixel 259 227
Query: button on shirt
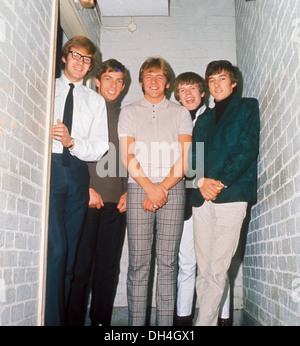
pixel 89 128
pixel 155 128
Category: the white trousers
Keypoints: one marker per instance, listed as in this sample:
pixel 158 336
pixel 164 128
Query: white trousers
pixel 187 276
pixel 217 229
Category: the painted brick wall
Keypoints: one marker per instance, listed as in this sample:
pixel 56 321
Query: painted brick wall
pixel 268 54
pixel 24 63
pixel 25 36
pixel 196 32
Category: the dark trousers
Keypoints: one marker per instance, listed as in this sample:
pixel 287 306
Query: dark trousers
pixel 100 247
pixel 68 203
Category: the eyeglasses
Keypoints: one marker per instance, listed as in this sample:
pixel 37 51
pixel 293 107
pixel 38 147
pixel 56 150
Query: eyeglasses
pixel 77 56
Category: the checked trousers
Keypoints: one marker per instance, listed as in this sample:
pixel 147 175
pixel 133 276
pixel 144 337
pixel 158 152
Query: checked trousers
pixel 165 226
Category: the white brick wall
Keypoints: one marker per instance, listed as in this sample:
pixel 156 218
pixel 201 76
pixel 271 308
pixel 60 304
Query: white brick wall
pixel 24 62
pixel 25 86
pixel 196 32
pixel 268 54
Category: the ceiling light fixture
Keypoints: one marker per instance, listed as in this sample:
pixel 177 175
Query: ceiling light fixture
pixel 87 3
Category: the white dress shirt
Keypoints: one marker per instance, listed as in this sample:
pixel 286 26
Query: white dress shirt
pixel 89 127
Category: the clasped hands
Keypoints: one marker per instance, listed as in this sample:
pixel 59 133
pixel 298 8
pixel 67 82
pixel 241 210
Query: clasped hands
pixel 157 196
pixel 210 188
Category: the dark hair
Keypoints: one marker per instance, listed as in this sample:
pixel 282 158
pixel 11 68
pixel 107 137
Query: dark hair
pixel 188 78
pixel 111 65
pixel 81 42
pixel 151 63
pixel 218 66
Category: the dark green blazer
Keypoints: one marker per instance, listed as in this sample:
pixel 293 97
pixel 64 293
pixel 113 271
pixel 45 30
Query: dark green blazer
pixel 230 150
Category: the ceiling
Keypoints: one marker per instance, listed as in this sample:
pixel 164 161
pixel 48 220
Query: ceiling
pixel 133 8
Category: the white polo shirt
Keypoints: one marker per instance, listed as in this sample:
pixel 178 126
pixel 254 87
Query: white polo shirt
pixel 155 128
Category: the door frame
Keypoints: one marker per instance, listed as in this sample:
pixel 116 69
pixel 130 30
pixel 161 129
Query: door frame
pixel 66 13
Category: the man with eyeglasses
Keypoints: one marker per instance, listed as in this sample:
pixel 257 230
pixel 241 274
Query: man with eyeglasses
pixel 75 142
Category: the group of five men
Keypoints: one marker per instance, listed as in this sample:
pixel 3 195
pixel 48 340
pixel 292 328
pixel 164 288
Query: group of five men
pixel 156 138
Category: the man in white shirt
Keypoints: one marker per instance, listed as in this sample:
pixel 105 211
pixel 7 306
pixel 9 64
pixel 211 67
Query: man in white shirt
pixel 85 140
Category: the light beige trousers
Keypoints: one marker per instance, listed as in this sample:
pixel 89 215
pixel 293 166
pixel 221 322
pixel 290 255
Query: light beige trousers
pixel 217 229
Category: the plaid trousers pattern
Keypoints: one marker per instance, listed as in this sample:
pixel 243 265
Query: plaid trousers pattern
pixel 168 223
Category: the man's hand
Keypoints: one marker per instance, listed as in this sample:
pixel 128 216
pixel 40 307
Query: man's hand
pixel 95 199
pixel 60 132
pixel 157 195
pixel 122 203
pixel 148 205
pixel 209 188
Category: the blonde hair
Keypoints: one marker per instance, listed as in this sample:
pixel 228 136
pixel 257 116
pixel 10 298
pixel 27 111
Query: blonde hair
pixel 154 63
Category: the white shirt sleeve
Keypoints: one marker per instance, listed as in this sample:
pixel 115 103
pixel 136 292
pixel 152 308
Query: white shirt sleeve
pixel 89 127
pixel 91 136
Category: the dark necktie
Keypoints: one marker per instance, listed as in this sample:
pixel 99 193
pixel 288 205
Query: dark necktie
pixel 67 120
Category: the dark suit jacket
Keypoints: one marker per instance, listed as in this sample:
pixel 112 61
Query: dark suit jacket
pixel 230 150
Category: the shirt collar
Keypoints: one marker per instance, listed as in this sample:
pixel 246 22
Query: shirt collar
pixel 162 104
pixel 201 110
pixel 67 82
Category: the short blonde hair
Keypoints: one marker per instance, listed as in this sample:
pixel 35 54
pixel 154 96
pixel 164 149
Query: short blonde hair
pixel 152 63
